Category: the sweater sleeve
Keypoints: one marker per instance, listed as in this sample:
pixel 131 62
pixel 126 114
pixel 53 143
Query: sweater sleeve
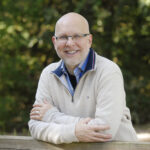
pixel 52 132
pixel 110 101
pixel 54 115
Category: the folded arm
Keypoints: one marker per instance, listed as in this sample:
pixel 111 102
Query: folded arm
pixel 46 112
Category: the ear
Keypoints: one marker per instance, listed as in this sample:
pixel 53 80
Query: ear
pixel 90 39
pixel 53 40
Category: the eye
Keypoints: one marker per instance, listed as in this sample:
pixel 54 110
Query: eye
pixel 63 37
pixel 76 36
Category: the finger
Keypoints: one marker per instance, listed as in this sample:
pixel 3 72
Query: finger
pixel 35 109
pixel 99 127
pixel 35 117
pixel 35 113
pixel 37 105
pixel 95 139
pixel 102 136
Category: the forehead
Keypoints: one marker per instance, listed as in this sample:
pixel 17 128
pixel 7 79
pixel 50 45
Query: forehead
pixel 69 29
pixel 71 25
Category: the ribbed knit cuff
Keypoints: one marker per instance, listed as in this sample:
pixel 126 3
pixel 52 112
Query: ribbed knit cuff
pixel 69 134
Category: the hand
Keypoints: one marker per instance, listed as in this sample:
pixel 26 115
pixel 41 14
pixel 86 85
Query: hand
pixel 91 133
pixel 38 111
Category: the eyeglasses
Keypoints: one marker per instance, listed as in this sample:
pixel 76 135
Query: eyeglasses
pixel 75 38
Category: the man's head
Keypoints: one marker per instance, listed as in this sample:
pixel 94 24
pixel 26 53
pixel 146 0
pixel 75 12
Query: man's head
pixel 72 50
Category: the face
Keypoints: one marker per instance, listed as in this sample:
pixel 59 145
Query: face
pixel 73 52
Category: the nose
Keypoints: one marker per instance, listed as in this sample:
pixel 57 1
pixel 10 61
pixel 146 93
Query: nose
pixel 70 41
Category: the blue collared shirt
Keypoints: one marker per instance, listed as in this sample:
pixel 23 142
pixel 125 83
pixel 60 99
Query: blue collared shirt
pixel 78 72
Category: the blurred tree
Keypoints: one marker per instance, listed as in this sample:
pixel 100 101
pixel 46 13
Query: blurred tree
pixel 121 31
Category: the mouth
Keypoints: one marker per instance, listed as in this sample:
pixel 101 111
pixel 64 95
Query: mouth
pixel 71 52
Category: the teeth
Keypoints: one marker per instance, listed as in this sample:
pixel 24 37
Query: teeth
pixel 71 52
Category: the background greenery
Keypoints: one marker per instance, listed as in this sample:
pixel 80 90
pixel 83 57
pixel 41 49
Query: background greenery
pixel 121 30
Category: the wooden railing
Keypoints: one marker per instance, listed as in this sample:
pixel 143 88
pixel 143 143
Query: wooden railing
pixel 28 143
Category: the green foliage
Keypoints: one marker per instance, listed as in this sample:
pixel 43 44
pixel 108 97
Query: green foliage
pixel 121 31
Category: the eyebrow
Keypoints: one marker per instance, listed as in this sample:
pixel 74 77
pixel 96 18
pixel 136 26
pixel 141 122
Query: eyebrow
pixel 69 34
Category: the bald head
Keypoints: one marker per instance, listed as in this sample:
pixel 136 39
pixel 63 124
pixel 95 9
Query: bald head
pixel 72 40
pixel 70 20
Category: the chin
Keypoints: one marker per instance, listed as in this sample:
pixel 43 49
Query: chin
pixel 72 63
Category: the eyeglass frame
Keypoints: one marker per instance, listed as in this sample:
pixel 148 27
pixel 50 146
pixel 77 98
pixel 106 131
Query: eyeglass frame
pixel 66 38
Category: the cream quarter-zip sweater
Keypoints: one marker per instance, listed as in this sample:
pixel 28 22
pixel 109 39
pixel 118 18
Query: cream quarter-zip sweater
pixel 99 94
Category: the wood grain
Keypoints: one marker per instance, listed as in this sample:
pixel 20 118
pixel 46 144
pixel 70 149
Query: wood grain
pixel 28 143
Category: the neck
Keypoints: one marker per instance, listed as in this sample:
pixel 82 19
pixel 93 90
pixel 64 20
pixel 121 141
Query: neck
pixel 70 69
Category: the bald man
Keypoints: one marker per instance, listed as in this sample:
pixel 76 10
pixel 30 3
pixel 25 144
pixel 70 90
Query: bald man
pixel 81 98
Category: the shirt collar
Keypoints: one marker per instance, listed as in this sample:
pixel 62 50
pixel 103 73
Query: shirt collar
pixel 83 64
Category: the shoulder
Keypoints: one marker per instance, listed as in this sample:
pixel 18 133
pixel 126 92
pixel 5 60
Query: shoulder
pixel 51 67
pixel 106 66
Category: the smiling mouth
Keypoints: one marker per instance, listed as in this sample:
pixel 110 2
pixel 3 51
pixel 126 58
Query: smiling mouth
pixel 71 52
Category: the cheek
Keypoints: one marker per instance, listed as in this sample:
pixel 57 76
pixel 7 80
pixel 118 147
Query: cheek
pixel 59 47
pixel 83 46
